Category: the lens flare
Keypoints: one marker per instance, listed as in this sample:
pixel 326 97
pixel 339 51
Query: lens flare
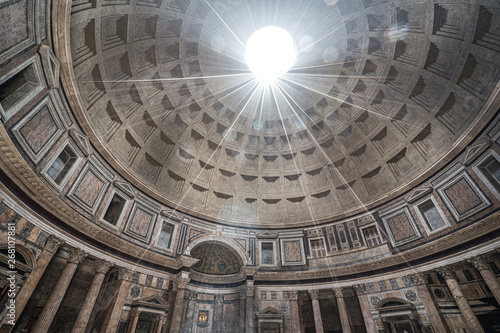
pixel 270 53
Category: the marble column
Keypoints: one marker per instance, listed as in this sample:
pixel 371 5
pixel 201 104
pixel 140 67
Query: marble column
pixel 192 295
pixel 293 296
pixel 481 264
pixel 218 318
pixel 161 323
pixel 181 284
pixel 49 311
pixel 318 322
pixel 52 244
pixel 435 317
pixel 101 267
pixel 249 304
pixel 344 318
pixel 470 318
pixel 115 308
pixel 134 318
pixel 242 312
pixel 364 304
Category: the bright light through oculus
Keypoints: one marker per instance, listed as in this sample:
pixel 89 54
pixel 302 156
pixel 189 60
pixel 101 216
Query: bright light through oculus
pixel 270 53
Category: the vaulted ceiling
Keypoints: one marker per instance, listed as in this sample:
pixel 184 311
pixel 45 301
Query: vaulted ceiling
pixel 380 95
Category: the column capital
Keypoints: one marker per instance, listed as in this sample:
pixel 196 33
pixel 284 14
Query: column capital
pixel 479 262
pixel 181 282
pixel 219 298
pixel 242 294
pixel 193 295
pixel 102 266
pixel 313 294
pixel 360 289
pixel 419 278
pixel 125 274
pixel 338 292
pixel 76 255
pixel 250 291
pixel 446 272
pixel 293 295
pixel 53 243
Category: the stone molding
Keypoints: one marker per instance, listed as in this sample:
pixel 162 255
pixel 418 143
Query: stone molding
pixel 338 292
pixel 360 289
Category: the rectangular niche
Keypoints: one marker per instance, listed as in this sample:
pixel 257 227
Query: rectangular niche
pixel 462 196
pixel 89 188
pixel 39 129
pixel 400 226
pixel 431 215
pixel 115 209
pixel 62 165
pixel 19 86
pixel 142 218
pixel 167 233
pixel 292 251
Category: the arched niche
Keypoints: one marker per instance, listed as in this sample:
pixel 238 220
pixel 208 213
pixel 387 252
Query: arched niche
pixel 229 244
pixel 399 316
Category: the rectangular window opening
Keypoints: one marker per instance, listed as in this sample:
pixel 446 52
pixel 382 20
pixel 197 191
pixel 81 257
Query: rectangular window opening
pixel 115 209
pixel 317 248
pixel 165 237
pixel 431 215
pixel 267 250
pixel 17 88
pixel 61 165
pixel 372 237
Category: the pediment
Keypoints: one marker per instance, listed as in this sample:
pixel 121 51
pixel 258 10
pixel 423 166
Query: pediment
pixel 125 187
pixel 171 214
pixel 418 193
pixel 269 312
pixel 153 301
pixel 267 234
pixel 472 152
pixel 81 141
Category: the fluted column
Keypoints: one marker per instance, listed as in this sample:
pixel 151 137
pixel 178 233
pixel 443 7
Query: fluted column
pixel 481 264
pixel 134 318
pixel 364 304
pixel 181 285
pixel 116 304
pixel 242 312
pixel 318 322
pixel 470 318
pixel 344 319
pixel 435 317
pixel 49 311
pixel 293 296
pixel 52 244
pixel 101 267
pixel 249 303
pixel 193 295
pixel 219 303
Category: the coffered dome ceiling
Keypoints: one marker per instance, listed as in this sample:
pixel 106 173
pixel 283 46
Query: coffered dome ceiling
pixel 380 93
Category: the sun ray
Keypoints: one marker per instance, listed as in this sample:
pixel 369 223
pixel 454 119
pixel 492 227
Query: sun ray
pixel 224 22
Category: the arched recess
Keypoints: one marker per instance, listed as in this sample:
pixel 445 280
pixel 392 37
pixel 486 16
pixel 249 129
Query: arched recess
pixel 27 256
pixel 399 316
pixel 230 244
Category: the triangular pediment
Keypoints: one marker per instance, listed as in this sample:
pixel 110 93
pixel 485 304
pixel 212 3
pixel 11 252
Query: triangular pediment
pixel 81 141
pixel 473 152
pixel 171 214
pixel 125 187
pixel 418 193
pixel 269 312
pixel 267 234
pixel 152 301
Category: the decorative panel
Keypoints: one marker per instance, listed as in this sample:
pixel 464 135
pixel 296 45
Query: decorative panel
pixel 16 17
pixel 462 196
pixel 400 226
pixel 292 251
pixel 89 188
pixel 39 129
pixel 141 221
